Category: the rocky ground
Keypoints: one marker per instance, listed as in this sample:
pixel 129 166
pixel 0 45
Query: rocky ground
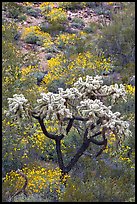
pixel 96 15
pixel 88 15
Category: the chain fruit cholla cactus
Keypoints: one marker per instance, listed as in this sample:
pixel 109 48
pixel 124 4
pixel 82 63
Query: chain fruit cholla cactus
pixel 85 106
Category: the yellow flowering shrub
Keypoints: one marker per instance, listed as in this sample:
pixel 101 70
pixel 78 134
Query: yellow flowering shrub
pixel 39 141
pixel 69 69
pixel 65 39
pixel 53 12
pixel 57 16
pixel 111 143
pixel 122 155
pixel 8 80
pixel 130 89
pixel 30 29
pixel 27 3
pixel 72 41
pixel 39 178
pixel 36 31
pixel 46 6
pixel 27 70
pixel 110 3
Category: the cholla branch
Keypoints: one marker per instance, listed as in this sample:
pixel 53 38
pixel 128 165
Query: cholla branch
pixel 103 148
pixel 76 118
pixel 49 135
pixel 98 95
pixel 105 142
pixel 69 126
pixel 85 135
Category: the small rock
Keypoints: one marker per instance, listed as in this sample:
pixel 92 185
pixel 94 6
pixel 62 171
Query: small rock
pixel 48 56
pixel 71 30
pixel 85 16
pixel 69 18
pixel 132 80
pixel 42 49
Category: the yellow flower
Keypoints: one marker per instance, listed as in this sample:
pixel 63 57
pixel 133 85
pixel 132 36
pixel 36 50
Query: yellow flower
pixel 130 89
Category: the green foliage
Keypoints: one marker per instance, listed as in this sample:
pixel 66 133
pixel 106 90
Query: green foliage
pixel 72 5
pixel 78 20
pixel 118 38
pixel 91 27
pixel 52 29
pixel 92 180
pixel 11 60
pixel 102 11
pixel 13 9
pixel 32 12
pixel 32 198
pixel 22 18
pixel 101 184
pixel 32 39
pixel 53 87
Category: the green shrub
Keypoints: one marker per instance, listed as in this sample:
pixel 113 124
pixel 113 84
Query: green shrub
pixel 102 11
pixel 92 27
pixel 100 184
pixel 33 12
pixel 22 18
pixel 52 29
pixel 78 20
pixel 77 23
pixel 53 87
pixel 30 198
pixel 13 9
pixel 118 39
pixel 31 38
pixel 72 5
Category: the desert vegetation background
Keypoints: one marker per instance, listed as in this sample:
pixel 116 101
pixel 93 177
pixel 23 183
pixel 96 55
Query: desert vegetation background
pixel 49 45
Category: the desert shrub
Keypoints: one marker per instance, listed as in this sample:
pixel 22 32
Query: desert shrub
pixel 91 27
pixel 76 25
pixel 42 180
pixel 98 190
pixel 91 4
pixel 52 29
pixel 67 68
pixel 78 20
pixel 31 38
pixel 102 11
pixel 46 7
pixel 72 43
pixel 72 5
pixel 53 87
pixel 118 38
pixel 22 18
pixel 45 27
pixel 13 9
pixel 57 16
pixel 31 198
pixel 35 35
pixel 95 181
pixel 54 15
pixel 33 12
